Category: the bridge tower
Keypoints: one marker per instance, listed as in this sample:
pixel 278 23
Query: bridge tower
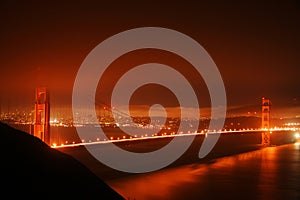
pixel 265 120
pixel 42 115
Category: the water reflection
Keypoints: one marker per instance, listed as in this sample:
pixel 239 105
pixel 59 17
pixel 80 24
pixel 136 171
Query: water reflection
pixel 270 173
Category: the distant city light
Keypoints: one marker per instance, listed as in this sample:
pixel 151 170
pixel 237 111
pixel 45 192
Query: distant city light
pixel 292 124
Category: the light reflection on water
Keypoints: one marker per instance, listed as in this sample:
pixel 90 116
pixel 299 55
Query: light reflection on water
pixel 270 173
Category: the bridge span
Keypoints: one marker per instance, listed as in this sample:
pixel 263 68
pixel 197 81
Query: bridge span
pixel 295 133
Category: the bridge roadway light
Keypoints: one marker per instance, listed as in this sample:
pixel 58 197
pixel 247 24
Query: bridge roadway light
pixel 297 135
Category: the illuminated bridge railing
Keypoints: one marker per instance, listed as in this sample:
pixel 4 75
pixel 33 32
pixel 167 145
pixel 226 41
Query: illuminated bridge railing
pixel 147 137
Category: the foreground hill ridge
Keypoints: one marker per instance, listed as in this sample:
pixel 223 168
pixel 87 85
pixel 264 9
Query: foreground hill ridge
pixel 30 168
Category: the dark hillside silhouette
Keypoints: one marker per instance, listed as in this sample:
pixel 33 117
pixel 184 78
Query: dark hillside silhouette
pixel 31 169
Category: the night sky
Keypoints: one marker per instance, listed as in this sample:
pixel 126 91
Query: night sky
pixel 255 45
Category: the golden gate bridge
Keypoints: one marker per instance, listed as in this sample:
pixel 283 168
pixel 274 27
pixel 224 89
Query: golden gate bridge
pixel 42 125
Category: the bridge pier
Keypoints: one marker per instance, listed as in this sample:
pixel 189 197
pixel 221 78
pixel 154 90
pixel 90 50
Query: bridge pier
pixel 266 138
